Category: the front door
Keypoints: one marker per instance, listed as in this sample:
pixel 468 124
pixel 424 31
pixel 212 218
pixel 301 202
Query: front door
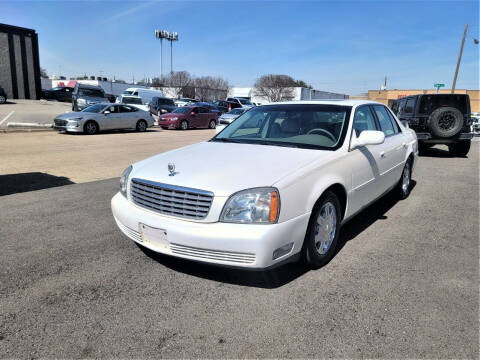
pixel 110 118
pixel 364 163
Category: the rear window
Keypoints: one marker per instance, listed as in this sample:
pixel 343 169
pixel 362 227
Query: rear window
pixel 409 106
pixel 90 92
pixel 429 103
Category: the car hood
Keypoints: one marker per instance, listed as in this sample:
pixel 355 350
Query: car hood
pixel 225 168
pixel 71 115
pixel 229 116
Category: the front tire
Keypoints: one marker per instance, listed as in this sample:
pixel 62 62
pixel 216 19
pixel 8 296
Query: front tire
pixel 184 125
pixel 460 148
pixel 323 231
pixel 141 126
pixel 3 99
pixel 90 128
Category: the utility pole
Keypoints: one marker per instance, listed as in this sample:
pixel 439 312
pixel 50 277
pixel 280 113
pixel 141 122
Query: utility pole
pixel 459 59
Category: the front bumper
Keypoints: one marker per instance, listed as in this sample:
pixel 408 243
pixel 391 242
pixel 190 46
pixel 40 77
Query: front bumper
pixel 239 245
pixel 168 124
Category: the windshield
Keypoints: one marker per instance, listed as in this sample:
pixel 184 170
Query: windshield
pixel 94 108
pixel 127 92
pixel 181 110
pixel 297 125
pixel 245 102
pixel 131 100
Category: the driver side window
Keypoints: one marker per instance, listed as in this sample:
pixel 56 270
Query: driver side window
pixel 363 120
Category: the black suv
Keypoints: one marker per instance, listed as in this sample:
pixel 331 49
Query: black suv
pixel 161 105
pixel 437 119
pixel 225 106
pixel 85 95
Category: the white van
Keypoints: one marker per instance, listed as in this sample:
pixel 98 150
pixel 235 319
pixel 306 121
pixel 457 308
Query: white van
pixel 145 94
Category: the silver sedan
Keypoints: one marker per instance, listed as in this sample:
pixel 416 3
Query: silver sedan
pixel 104 116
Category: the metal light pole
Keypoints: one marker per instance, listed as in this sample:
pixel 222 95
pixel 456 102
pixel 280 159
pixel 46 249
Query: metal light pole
pixel 173 37
pixel 459 58
pixel 161 34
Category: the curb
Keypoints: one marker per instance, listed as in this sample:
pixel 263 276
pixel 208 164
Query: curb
pixel 26 127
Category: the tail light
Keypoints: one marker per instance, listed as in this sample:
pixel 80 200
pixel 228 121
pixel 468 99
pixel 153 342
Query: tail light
pixel 229 107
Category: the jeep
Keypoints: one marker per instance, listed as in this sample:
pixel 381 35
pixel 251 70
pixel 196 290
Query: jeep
pixel 437 119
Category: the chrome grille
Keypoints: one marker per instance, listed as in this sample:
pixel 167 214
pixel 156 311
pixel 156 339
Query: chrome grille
pixel 59 122
pixel 171 200
pixel 226 256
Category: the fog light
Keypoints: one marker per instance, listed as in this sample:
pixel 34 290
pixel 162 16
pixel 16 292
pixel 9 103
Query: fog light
pixel 285 249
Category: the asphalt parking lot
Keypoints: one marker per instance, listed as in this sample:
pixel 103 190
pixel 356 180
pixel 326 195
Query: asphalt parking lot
pixel 405 282
pixel 31 111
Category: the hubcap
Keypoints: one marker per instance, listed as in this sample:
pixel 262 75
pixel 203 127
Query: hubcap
pixel 325 228
pixel 184 125
pixel 141 126
pixel 212 124
pixel 2 99
pixel 406 179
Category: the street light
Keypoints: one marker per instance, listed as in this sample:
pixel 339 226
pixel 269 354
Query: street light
pixel 164 34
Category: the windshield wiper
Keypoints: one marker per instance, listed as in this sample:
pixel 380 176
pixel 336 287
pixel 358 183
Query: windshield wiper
pixel 227 140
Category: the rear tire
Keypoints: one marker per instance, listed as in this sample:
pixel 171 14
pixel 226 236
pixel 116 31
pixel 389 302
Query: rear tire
pixel 405 183
pixel 460 148
pixel 184 125
pixel 445 122
pixel 212 124
pixel 141 126
pixel 323 231
pixel 3 99
pixel 90 127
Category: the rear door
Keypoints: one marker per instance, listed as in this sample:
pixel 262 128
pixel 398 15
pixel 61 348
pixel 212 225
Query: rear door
pixel 128 116
pixel 205 116
pixel 393 150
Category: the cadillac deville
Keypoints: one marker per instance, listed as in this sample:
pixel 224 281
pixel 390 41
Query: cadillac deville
pixel 274 186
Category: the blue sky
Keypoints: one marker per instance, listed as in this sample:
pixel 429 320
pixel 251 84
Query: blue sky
pixel 341 46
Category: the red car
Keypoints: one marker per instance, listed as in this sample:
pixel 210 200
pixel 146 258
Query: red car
pixel 188 117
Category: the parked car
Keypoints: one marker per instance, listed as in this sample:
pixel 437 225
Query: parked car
pixel 188 117
pixel 146 94
pixel 161 105
pixel 111 98
pixel 242 101
pixel 59 93
pixel 3 96
pixel 225 106
pixel 135 101
pixel 475 127
pixel 104 116
pixel 184 101
pixel 438 119
pixel 274 186
pixel 226 119
pixel 85 95
pixel 207 105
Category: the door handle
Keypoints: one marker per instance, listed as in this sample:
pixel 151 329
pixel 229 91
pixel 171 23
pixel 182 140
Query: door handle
pixel 383 154
pixel 404 145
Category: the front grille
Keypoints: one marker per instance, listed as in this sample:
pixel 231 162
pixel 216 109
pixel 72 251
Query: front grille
pixel 225 122
pixel 171 200
pixel 60 122
pixel 226 256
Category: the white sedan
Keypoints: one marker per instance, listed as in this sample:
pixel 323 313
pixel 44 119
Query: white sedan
pixel 284 178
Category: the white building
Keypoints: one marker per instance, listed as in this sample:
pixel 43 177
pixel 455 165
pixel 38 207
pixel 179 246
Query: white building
pixel 299 94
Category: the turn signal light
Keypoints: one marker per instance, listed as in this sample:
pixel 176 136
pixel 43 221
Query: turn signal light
pixel 273 206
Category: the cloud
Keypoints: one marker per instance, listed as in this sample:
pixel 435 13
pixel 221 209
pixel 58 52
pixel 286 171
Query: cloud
pixel 129 11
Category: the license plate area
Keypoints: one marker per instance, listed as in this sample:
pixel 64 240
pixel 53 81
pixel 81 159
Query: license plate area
pixel 154 236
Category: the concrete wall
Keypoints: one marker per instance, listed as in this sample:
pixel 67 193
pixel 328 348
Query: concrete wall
pixel 299 94
pixel 19 62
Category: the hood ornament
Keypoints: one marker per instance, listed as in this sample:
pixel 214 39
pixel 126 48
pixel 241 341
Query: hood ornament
pixel 171 169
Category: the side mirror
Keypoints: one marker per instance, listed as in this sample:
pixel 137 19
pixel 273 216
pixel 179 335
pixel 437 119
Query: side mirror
pixel 367 137
pixel 106 112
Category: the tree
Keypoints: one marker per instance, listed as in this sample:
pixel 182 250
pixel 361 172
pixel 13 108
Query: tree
pixel 209 88
pixel 43 73
pixel 178 82
pixel 275 87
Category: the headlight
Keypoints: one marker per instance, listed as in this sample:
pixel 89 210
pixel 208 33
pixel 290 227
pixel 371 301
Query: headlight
pixel 124 180
pixel 174 118
pixel 81 101
pixel 254 206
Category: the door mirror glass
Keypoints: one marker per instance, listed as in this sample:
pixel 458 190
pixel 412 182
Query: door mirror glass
pixel 367 137
pixel 106 112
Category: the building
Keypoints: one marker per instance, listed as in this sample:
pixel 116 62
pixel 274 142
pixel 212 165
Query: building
pixel 19 62
pixel 299 93
pixel 388 96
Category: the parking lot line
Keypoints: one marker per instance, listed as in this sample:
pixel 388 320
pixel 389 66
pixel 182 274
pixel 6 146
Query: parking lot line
pixel 6 117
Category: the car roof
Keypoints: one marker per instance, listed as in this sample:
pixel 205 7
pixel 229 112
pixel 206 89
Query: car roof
pixel 344 102
pixel 89 86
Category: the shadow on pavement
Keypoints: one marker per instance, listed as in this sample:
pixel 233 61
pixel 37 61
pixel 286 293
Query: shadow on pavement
pixel 277 277
pixel 435 152
pixel 17 183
